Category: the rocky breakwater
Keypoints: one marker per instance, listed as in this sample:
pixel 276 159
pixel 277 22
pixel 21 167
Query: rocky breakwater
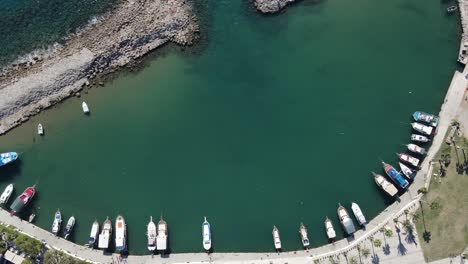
pixel 271 6
pixel 129 31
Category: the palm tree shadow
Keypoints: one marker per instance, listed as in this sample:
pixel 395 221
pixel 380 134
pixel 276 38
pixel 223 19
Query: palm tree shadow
pixel 410 238
pixel 401 248
pixel 375 259
pixel 386 249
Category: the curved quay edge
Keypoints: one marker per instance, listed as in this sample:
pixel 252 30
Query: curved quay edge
pixel 409 200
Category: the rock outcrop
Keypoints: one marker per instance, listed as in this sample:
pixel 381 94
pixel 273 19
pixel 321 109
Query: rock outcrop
pixel 129 31
pixel 271 6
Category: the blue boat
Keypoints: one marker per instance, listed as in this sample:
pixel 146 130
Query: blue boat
pixel 7 157
pixel 426 118
pixel 395 176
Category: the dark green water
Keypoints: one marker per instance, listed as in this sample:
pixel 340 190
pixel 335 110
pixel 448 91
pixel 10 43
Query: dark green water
pixel 274 121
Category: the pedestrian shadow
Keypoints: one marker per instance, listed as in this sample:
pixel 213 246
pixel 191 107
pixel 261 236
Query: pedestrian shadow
pixel 375 259
pixel 386 249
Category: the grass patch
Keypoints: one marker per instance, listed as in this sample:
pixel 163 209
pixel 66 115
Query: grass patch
pixel 441 221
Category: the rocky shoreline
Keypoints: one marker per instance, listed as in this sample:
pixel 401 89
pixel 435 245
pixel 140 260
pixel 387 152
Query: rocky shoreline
pixel 123 35
pixel 271 6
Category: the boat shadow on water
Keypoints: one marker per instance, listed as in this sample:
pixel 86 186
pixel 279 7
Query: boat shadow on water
pixel 10 171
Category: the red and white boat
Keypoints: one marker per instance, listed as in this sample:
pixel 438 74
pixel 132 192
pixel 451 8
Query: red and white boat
pixel 408 159
pixel 22 200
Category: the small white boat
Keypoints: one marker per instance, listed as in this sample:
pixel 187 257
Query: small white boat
pixel 40 129
pixel 408 159
pixel 416 149
pixel 120 234
pixel 206 231
pixel 57 222
pixel 358 214
pixel 85 107
pixel 426 130
pixel 151 235
pixel 93 235
pixel 69 227
pixel 419 138
pixel 345 220
pixel 105 235
pixel 385 185
pixel 31 218
pixel 276 238
pixel 6 194
pixel 304 238
pixel 329 229
pixel 451 9
pixel 409 173
pixel 161 238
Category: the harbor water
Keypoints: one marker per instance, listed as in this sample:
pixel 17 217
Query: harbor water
pixel 268 120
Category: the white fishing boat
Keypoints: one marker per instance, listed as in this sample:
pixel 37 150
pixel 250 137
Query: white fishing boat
pixel 409 173
pixel 69 227
pixel 161 238
pixel 85 108
pixel 276 238
pixel 105 235
pixel 345 220
pixel 206 231
pixel 426 130
pixel 304 238
pixel 40 129
pixel 31 218
pixel 385 185
pixel 6 194
pixel 358 214
pixel 120 234
pixel 329 229
pixel 57 222
pixel 93 235
pixel 416 149
pixel 408 159
pixel 151 235
pixel 419 138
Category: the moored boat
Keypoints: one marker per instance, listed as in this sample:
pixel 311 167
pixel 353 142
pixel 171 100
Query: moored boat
pixel 206 232
pixel 329 229
pixel 57 222
pixel 6 194
pixel 423 129
pixel 416 149
pixel 40 129
pixel 426 118
pixel 31 218
pixel 85 108
pixel 451 9
pixel 408 159
pixel 120 234
pixel 276 238
pixel 151 235
pixel 419 138
pixel 22 200
pixel 395 176
pixel 409 173
pixel 105 235
pixel 69 227
pixel 385 185
pixel 93 235
pixel 7 157
pixel 358 214
pixel 304 238
pixel 345 220
pixel 161 238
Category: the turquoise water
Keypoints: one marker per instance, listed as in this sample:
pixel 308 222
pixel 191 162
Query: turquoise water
pixel 270 120
pixel 26 25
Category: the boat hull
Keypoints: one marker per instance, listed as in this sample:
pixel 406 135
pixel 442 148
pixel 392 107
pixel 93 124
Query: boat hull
pixel 22 201
pixel 7 158
pixel 395 176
